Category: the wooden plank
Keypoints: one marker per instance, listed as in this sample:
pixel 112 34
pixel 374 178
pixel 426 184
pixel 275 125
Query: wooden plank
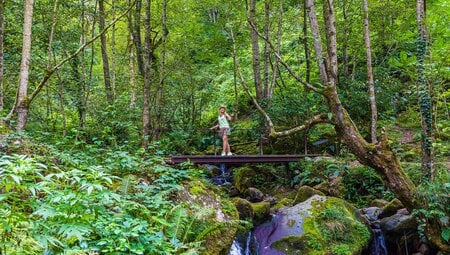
pixel 239 159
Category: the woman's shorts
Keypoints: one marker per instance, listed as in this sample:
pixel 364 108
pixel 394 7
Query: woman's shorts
pixel 224 131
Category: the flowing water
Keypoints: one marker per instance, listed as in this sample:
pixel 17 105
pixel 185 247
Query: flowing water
pixel 223 178
pixel 378 245
pixel 242 246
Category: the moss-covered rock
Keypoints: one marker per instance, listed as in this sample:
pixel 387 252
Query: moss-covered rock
pixel 242 178
pixel 378 203
pixel 244 208
pixel 255 195
pixel 214 218
pixel 319 225
pixel 261 212
pixel 305 192
pixel 391 208
pixel 284 202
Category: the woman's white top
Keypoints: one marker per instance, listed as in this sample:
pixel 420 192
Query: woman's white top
pixel 223 122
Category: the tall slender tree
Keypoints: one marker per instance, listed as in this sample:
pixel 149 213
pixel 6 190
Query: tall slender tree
pixel 105 58
pixel 2 92
pixel 425 103
pixel 22 95
pixel 255 51
pixel 373 104
pixel 147 61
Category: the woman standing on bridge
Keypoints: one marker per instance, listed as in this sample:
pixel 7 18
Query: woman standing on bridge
pixel 224 130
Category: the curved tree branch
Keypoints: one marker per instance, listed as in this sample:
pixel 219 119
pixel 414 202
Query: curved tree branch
pixel 317 119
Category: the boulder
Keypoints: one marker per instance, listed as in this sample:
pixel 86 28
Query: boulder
pixel 261 212
pixel 319 225
pixel 372 213
pixel 255 195
pixel 305 192
pixel 216 226
pixel 378 203
pixel 391 208
pixel 242 178
pixel 398 224
pixel 244 208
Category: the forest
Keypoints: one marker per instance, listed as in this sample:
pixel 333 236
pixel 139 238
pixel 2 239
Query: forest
pixel 97 96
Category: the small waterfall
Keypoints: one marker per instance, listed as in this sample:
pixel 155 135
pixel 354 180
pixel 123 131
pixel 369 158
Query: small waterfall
pixel 224 176
pixel 240 246
pixel 378 245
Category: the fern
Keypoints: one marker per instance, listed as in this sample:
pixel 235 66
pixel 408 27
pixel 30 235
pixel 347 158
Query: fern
pixel 127 183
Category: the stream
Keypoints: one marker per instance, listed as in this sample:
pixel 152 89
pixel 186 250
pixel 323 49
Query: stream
pixel 258 240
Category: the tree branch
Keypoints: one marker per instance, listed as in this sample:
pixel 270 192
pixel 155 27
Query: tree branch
pixel 291 72
pixel 321 118
pixel 317 119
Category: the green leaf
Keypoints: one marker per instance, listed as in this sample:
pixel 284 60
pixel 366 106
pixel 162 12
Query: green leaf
pixel 445 234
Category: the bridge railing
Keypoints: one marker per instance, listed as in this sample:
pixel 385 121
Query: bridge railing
pixel 239 137
pixel 259 139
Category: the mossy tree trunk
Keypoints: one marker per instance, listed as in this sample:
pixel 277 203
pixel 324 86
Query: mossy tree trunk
pixel 425 103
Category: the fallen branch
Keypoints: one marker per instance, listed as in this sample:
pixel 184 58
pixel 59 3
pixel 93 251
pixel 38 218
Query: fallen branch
pixel 317 119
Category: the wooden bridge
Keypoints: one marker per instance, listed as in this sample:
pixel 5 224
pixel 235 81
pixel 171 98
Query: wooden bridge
pixel 239 159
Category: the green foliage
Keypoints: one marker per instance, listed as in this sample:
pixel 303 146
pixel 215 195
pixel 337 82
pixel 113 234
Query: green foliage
pixel 364 185
pixel 315 171
pixel 76 209
pixel 433 196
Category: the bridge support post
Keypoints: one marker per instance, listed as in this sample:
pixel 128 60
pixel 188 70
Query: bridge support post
pixel 215 141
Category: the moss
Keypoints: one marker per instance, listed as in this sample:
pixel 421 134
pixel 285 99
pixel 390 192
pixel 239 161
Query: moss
pixel 244 208
pixel 283 202
pixel 305 192
pixel 242 178
pixel 261 212
pixel 196 187
pixel 215 218
pixel 391 208
pixel 331 228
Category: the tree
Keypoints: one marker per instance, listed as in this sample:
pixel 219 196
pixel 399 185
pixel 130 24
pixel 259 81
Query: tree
pixel 2 8
pixel 378 156
pixel 373 104
pixel 255 51
pixel 105 58
pixel 425 103
pixel 22 96
pixel 23 100
pixel 147 61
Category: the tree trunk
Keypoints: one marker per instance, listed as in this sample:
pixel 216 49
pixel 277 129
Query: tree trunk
pixel 132 69
pixel 162 74
pixel 147 76
pixel 275 67
pixel 378 156
pixel 22 95
pixel 308 72
pixel 345 40
pixel 106 73
pixel 136 29
pixel 113 52
pixel 266 48
pixel 425 103
pixel 2 92
pixel 255 51
pixel 373 104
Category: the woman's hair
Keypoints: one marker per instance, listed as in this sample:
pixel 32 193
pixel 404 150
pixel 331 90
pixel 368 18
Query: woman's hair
pixel 222 106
